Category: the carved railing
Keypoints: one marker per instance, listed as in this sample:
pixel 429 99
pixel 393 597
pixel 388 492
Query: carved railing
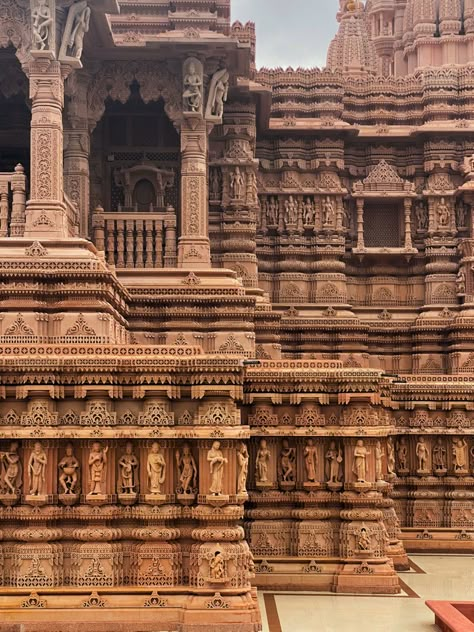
pixel 12 203
pixel 136 240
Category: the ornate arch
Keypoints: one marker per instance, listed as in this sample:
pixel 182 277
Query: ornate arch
pixel 113 80
pixel 15 27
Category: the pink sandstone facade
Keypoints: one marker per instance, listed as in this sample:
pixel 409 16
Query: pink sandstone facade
pixel 237 309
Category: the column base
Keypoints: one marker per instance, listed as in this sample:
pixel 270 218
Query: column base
pixel 367 576
pixel 194 254
pixel 46 220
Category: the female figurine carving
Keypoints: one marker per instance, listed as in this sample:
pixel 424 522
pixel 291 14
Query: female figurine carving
pixel 379 454
pixel 360 465
pixel 128 464
pixel 333 460
pixel 216 464
pixel 390 457
pixel 187 470
pixel 460 455
pixel 69 468
pixel 310 460
pixel 37 469
pixel 11 470
pixel 97 463
pixel 243 463
pixel 156 468
pixel 192 94
pixel 41 25
pixel 262 462
pixel 287 462
pixel 439 455
pixel 422 454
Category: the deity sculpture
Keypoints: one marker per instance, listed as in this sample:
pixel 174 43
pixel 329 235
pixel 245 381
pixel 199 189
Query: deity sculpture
pixel 443 213
pixel 402 454
pixel 334 461
pixel 97 463
pixel 243 468
pixel 272 212
pixel 363 540
pixel 187 470
pixel 460 455
pixel 192 94
pixel 461 282
pixel 77 25
pixel 11 470
pixel 461 214
pixel 218 92
pixel 422 454
pixel 310 460
pixel 262 462
pixel 291 212
pixel 216 464
pixel 237 184
pixel 217 566
pixel 69 471
pixel 390 457
pixel 328 212
pixel 421 217
pixel 37 469
pixel 128 464
pixel 41 25
pixel 379 454
pixel 439 456
pixel 156 469
pixel 308 212
pixel 287 462
pixel 360 465
pixel 215 184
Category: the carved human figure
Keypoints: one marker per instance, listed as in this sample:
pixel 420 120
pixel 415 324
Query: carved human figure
pixel 128 464
pixel 309 212
pixel 272 213
pixel 37 469
pixel 422 454
pixel 79 28
pixel 363 540
pixel 243 468
pixel 237 184
pixel 443 213
pixel 328 212
pixel 287 462
pixel 460 455
pixel 402 454
pixel 291 211
pixel 390 457
pixel 187 470
pixel 217 566
pixel 379 454
pixel 97 463
pixel 334 460
pixel 360 465
pixel 421 217
pixel 218 93
pixel 262 462
pixel 461 282
pixel 216 465
pixel 11 470
pixel 461 214
pixel 439 455
pixel 215 184
pixel 192 95
pixel 310 454
pixel 41 25
pixel 69 471
pixel 156 469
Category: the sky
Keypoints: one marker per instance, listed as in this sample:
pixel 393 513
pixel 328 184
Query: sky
pixel 290 32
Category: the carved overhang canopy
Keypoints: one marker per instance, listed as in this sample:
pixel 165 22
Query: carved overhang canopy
pixel 384 181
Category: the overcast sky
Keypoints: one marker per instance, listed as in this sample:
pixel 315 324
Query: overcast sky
pixel 290 32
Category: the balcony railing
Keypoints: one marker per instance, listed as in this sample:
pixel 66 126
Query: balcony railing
pixel 12 203
pixel 133 239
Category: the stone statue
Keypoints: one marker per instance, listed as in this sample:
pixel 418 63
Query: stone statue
pixel 402 454
pixel 439 455
pixel 328 212
pixel 216 464
pixel 443 213
pixel 218 92
pixel 128 464
pixel 310 460
pixel 215 188
pixel 272 212
pixel 77 25
pixel 41 25
pixel 308 212
pixel 461 214
pixel 187 470
pixel 422 455
pixel 262 462
pixel 363 540
pixel 192 82
pixel 421 217
pixel 460 455
pixel 390 457
pixel 37 469
pixel 334 461
pixel 379 454
pixel 360 465
pixel 287 462
pixel 237 184
pixel 156 469
pixel 291 212
pixel 217 566
pixel 11 470
pixel 97 463
pixel 243 468
pixel 461 282
pixel 69 471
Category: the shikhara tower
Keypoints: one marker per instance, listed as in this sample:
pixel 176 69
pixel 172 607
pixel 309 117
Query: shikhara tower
pixel 237 308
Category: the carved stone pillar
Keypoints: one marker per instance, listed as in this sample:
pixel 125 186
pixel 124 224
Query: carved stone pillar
pixel 193 245
pixel 46 214
pixel 360 224
pixel 408 240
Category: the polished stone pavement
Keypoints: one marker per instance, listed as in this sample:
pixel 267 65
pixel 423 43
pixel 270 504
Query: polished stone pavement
pixel 444 577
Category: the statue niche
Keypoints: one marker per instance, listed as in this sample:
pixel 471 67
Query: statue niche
pixel 144 186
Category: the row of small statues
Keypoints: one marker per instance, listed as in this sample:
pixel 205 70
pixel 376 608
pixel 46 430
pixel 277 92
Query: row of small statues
pixel 459 451
pixel 42 27
pixel 294 211
pixel 128 465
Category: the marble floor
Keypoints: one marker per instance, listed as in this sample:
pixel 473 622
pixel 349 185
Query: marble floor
pixel 431 577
